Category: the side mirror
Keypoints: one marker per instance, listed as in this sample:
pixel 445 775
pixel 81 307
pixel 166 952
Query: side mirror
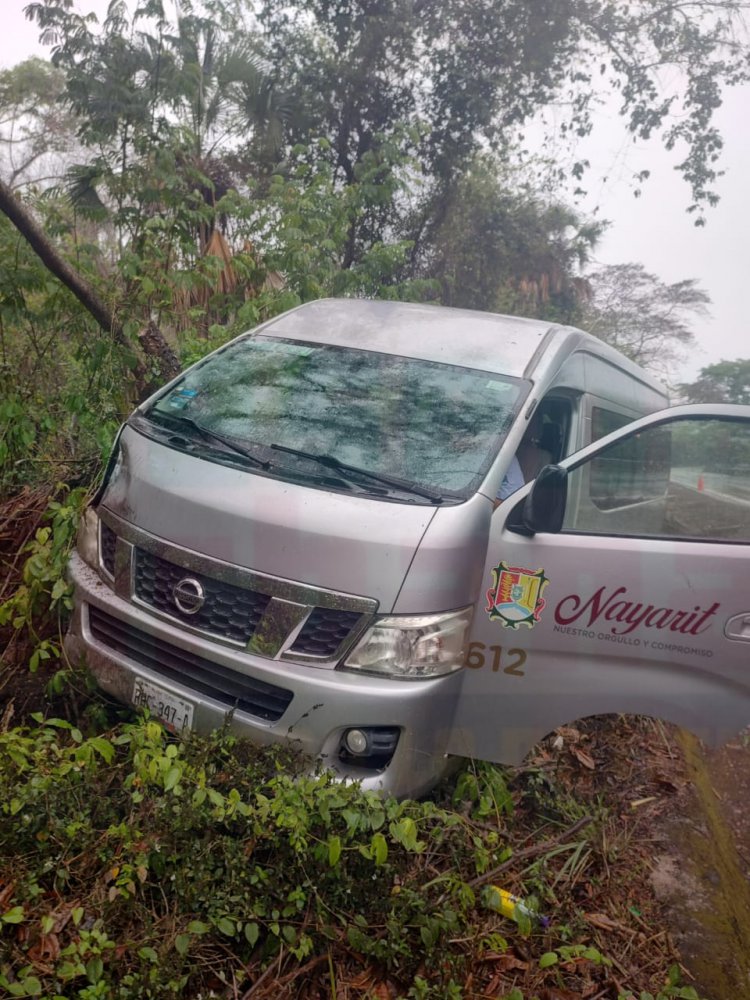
pixel 544 507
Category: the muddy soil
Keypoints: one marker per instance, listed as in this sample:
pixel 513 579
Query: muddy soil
pixel 701 867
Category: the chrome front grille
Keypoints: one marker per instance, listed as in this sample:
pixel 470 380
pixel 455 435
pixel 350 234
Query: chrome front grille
pixel 227 686
pixel 260 614
pixel 228 612
pixel 324 631
pixel 233 614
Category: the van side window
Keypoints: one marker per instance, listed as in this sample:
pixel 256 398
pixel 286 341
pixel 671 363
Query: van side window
pixel 635 470
pixel 604 421
pixel 689 478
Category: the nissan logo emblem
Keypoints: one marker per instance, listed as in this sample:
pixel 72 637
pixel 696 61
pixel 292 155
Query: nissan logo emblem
pixel 189 596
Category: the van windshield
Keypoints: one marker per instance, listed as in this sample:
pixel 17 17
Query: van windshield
pixel 420 421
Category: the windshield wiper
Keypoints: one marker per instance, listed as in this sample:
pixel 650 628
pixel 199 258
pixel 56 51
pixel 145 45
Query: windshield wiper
pixel 333 463
pixel 168 419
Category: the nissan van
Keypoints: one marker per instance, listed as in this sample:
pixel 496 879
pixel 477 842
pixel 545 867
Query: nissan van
pixel 390 534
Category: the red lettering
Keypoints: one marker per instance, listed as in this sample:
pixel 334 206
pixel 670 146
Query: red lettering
pixel 594 603
pixel 696 629
pixel 602 605
pixel 662 614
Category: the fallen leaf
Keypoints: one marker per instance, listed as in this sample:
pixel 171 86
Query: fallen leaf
pixel 583 758
pixel 364 980
pixel 6 895
pixel 556 993
pixel 506 961
pixel 46 949
pixel 382 990
pixel 62 916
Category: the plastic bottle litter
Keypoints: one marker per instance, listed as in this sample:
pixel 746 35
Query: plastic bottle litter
pixel 511 906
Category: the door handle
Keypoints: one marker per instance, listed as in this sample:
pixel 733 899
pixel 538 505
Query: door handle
pixel 738 627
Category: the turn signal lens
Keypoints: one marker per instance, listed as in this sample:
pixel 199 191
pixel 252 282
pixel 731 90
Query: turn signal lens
pixel 87 541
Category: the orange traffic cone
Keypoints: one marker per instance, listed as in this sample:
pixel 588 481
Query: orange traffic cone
pixel 700 484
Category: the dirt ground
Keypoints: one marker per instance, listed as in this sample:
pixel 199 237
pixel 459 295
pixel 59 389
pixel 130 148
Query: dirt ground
pixel 701 867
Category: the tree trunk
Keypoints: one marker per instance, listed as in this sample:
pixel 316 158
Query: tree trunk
pixel 162 359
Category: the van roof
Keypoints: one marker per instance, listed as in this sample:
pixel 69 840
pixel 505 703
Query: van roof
pixel 463 337
pixel 508 345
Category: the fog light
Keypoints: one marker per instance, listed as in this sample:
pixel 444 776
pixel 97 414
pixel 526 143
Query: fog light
pixel 356 742
pixel 368 747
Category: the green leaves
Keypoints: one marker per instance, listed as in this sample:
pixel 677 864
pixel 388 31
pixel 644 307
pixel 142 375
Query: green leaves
pixel 103 747
pixel 182 943
pixel 45 589
pixel 334 850
pixel 243 852
pixel 404 832
pixel 379 848
pixel 171 778
pixel 310 866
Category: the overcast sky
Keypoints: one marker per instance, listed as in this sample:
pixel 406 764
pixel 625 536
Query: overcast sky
pixel 653 230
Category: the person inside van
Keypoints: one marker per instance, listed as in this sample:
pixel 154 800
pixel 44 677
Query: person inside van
pixel 528 461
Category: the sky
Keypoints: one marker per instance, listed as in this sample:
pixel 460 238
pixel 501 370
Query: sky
pixel 654 229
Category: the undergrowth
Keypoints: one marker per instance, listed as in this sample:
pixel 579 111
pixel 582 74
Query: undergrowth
pixel 35 613
pixel 138 866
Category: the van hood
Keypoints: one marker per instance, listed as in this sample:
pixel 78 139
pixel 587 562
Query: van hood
pixel 351 544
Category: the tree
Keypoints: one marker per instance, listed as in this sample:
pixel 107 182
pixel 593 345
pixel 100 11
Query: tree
pixel 144 87
pixel 202 95
pixel 640 315
pixel 472 73
pixel 37 136
pixel 151 339
pixel 173 114
pixel 724 382
pixel 449 78
pixel 499 246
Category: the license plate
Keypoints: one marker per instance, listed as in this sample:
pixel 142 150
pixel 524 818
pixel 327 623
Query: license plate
pixel 174 713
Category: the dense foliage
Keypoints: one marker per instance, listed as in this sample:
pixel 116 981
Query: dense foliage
pixel 723 382
pixel 211 165
pixel 143 867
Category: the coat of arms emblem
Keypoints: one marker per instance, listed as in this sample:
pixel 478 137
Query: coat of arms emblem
pixel 515 597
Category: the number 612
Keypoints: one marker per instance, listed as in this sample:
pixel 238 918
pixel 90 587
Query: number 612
pixel 476 659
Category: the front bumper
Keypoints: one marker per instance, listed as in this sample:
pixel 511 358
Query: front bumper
pixel 323 705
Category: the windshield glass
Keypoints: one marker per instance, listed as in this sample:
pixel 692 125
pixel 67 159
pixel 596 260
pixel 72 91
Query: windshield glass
pixel 434 424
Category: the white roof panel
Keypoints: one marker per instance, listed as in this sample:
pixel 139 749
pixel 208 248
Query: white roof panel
pixel 486 341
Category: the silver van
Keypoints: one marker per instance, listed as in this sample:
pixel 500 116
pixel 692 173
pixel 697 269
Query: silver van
pixel 327 532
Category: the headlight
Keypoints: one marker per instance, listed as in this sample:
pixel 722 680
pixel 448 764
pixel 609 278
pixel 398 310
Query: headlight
pixel 413 646
pixel 87 541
